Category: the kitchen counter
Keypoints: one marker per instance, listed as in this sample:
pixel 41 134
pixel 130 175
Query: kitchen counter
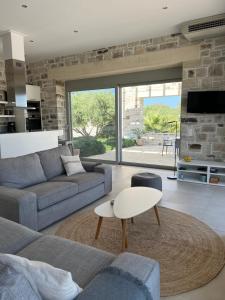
pixel 17 144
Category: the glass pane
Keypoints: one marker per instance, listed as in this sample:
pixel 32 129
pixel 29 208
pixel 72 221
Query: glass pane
pixel 149 117
pixel 157 90
pixel 173 89
pixel 93 123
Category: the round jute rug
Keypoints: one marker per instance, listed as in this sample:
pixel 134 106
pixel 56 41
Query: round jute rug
pixel 189 252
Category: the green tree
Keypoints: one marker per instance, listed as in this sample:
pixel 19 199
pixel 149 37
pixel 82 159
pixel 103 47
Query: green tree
pixel 92 112
pixel 157 116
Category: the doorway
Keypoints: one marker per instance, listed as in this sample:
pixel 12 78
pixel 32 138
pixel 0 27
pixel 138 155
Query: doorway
pixel 150 114
pixel 129 124
pixel 94 124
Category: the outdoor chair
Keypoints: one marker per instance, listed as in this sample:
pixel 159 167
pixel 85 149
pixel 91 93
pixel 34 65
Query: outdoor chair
pixel 167 142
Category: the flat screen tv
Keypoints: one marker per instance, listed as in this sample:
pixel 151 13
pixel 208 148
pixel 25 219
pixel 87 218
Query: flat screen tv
pixel 206 102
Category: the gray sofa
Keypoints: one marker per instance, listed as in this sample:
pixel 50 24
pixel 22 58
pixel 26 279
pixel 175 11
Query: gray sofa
pixel 35 191
pixel 87 265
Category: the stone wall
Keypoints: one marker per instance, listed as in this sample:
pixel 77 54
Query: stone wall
pixel 203 136
pixel 52 95
pixel 3 121
pixel 53 105
pixel 2 76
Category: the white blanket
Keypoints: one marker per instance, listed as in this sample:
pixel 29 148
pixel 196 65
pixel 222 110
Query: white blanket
pixel 51 283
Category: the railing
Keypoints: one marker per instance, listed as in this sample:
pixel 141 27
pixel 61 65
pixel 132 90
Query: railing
pixel 152 138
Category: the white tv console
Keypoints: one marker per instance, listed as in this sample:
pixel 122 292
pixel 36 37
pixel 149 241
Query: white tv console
pixel 201 171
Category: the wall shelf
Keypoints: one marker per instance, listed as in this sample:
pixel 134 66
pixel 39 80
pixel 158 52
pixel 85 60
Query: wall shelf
pixel 220 174
pixel 194 171
pixel 200 172
pixel 192 180
pixel 7 116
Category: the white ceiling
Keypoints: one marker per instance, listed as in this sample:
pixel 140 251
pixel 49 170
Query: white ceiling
pixel 101 23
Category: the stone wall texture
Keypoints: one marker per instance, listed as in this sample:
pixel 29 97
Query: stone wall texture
pixel 3 87
pixel 52 95
pixel 53 105
pixel 202 136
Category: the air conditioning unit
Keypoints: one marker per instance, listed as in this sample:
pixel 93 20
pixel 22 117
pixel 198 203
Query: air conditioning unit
pixel 204 27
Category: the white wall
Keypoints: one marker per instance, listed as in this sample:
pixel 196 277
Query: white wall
pixel 17 144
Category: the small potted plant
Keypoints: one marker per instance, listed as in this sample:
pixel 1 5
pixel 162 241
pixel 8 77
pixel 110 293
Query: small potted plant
pixel 138 134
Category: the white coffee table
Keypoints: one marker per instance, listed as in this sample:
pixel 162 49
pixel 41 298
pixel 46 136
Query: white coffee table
pixel 128 204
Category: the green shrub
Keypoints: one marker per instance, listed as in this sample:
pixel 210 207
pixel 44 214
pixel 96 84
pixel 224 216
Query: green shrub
pixel 128 143
pixel 89 146
pixel 110 143
pixel 108 131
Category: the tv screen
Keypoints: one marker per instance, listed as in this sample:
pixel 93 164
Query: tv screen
pixel 206 102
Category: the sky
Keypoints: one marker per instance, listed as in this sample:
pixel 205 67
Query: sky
pixel 172 101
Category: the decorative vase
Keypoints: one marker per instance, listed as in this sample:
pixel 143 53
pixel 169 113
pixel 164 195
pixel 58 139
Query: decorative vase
pixel 140 142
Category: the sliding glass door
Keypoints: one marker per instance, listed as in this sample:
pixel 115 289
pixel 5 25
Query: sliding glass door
pixel 138 124
pixel 93 123
pixel 150 115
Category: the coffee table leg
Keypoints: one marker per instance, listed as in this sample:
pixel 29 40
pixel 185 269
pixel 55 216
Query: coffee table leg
pixel 98 227
pixel 157 214
pixel 132 220
pixel 124 234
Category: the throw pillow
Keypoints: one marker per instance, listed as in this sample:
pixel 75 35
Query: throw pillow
pixel 72 164
pixel 51 283
pixel 15 286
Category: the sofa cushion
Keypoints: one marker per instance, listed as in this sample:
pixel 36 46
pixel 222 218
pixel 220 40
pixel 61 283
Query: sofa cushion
pixel 85 181
pixel 51 161
pixel 15 237
pixel 82 261
pixel 21 171
pixel 49 193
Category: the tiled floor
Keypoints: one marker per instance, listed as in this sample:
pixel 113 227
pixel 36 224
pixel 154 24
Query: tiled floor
pixel 207 203
pixel 142 154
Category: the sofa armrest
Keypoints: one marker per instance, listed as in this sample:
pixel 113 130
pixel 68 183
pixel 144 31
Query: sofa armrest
pixel 107 171
pixel 129 277
pixel 144 269
pixel 89 166
pixel 19 206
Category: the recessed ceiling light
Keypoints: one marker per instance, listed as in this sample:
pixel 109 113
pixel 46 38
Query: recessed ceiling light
pixel 165 4
pixel 24 6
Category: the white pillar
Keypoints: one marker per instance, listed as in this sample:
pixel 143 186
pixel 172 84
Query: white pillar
pixel 13 53
pixel 13 46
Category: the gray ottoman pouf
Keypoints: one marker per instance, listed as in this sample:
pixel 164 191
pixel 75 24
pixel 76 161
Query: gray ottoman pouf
pixel 147 179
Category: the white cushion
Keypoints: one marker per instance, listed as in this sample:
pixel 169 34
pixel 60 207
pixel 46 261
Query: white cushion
pixel 51 283
pixel 72 164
